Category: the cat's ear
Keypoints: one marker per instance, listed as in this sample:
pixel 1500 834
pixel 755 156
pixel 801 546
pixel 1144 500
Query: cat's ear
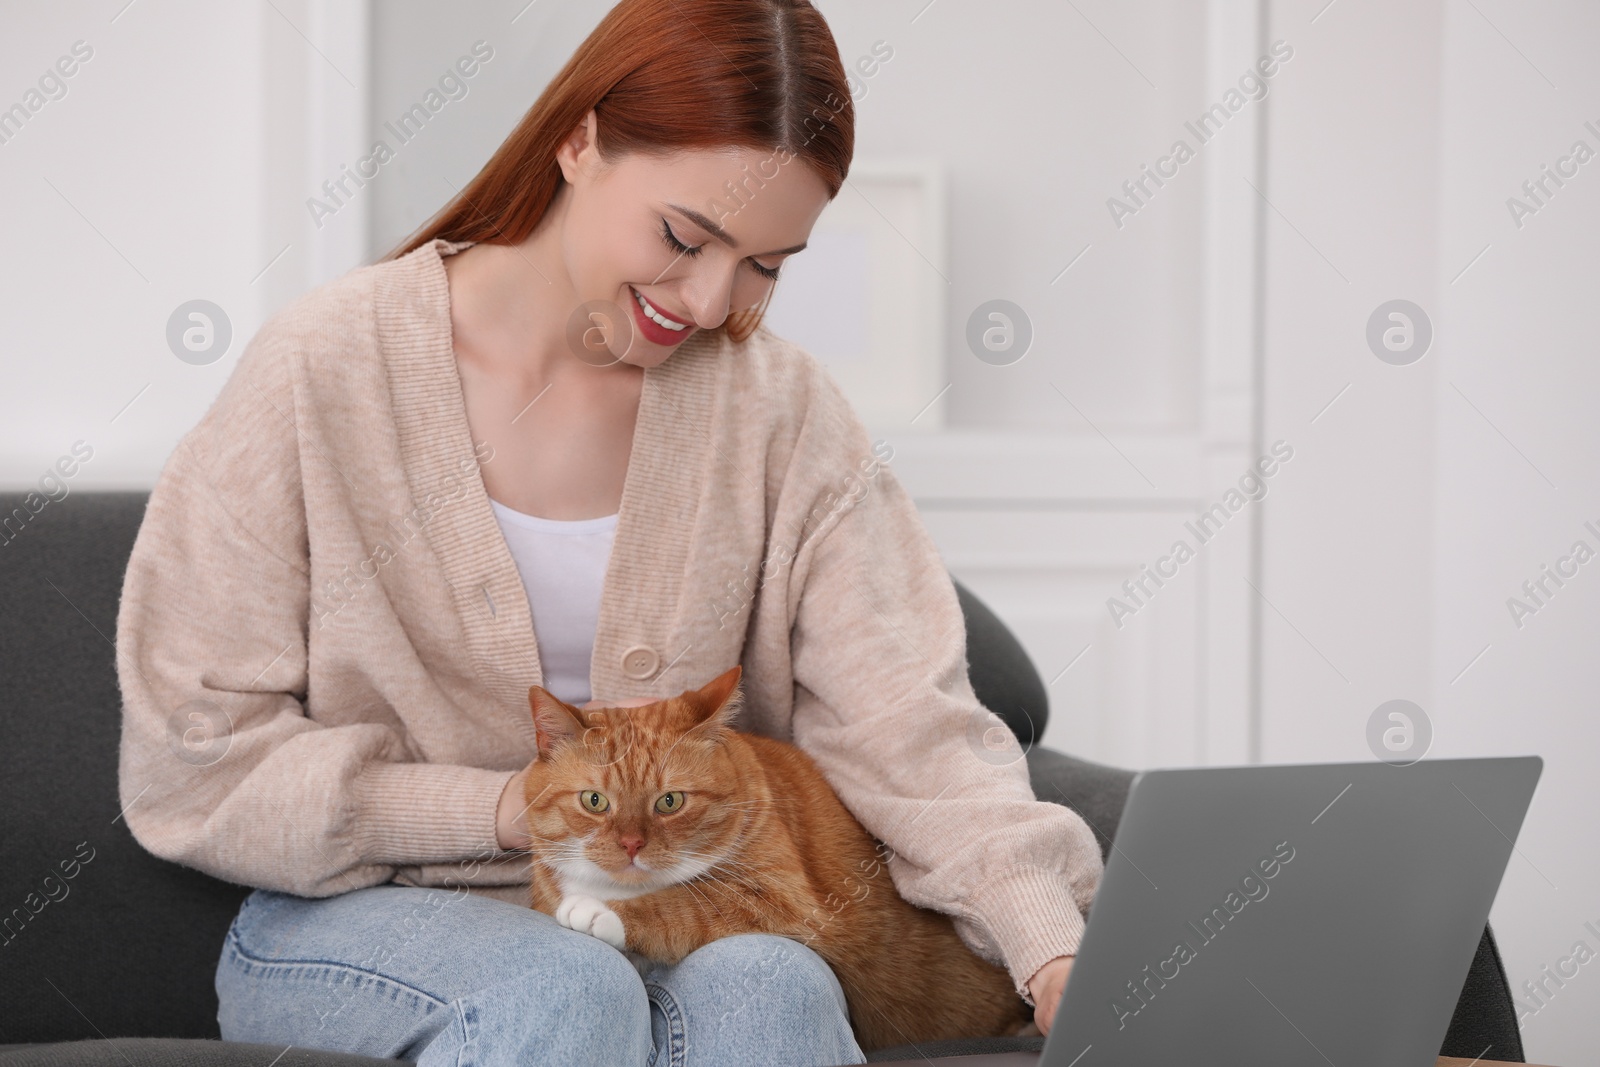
pixel 720 699
pixel 554 720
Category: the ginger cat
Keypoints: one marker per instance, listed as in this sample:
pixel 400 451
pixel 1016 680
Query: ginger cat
pixel 660 828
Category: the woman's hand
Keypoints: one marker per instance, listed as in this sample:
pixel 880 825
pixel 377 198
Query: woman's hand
pixel 511 816
pixel 1045 988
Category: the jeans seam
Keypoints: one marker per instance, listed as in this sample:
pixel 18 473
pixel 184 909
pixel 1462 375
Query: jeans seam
pixel 468 1016
pixel 677 1051
pixel 306 964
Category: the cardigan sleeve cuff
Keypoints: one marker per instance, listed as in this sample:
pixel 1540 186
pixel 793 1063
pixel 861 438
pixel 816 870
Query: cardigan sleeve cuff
pixel 410 813
pixel 1029 914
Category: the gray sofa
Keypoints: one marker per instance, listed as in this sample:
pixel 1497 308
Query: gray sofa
pixel 115 965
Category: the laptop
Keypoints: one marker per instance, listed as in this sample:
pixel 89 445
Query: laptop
pixel 1296 915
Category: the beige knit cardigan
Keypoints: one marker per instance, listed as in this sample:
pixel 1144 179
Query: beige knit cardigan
pixel 325 648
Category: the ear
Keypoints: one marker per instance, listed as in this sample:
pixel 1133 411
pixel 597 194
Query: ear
pixel 581 146
pixel 554 720
pixel 720 699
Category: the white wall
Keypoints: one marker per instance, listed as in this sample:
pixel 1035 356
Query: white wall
pixel 1352 174
pixel 178 165
pixel 1517 449
pixel 1426 494
pixel 175 167
pixel 134 192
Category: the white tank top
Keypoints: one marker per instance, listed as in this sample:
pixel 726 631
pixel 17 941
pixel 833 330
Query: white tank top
pixel 563 568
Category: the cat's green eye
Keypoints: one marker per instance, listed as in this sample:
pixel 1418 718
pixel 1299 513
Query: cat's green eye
pixel 670 802
pixel 593 800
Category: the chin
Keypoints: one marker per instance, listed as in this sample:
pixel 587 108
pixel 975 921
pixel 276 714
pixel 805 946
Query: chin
pixel 636 878
pixel 653 357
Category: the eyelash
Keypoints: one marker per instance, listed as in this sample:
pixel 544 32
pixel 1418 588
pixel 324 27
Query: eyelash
pixel 769 273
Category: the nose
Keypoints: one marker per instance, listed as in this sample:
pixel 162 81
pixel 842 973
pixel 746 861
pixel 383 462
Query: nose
pixel 708 299
pixel 633 843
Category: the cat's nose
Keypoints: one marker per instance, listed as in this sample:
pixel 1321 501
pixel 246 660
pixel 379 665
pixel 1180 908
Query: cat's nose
pixel 632 844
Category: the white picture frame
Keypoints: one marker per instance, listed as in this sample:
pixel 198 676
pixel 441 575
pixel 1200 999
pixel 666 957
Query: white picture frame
pixel 868 296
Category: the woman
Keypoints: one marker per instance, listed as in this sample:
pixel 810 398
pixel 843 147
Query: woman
pixel 544 442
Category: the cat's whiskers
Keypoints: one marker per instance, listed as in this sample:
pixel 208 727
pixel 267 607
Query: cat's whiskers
pixel 560 852
pixel 702 901
pixel 751 877
pixel 725 860
pixel 711 881
pixel 730 889
pixel 742 870
pixel 714 859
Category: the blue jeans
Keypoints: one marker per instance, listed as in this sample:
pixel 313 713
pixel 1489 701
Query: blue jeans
pixel 443 976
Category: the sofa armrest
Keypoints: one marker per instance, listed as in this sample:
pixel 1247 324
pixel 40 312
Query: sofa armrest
pixel 1095 791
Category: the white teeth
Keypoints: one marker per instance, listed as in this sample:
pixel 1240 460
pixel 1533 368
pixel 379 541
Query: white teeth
pixel 656 316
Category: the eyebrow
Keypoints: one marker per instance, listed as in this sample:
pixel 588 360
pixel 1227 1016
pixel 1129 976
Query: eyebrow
pixel 722 235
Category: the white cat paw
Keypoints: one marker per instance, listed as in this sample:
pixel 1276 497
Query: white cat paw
pixel 588 915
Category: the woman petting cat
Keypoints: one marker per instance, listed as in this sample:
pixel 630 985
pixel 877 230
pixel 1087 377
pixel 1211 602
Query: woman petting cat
pixel 661 831
pixel 545 445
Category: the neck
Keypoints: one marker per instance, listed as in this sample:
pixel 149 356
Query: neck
pixel 510 305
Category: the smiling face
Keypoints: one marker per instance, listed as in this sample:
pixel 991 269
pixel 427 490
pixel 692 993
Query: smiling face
pixel 698 235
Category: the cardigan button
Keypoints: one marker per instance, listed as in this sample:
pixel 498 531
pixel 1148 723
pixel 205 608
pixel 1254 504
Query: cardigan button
pixel 640 661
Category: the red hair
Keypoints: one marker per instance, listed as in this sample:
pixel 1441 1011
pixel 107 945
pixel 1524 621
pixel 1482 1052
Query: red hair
pixel 665 76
